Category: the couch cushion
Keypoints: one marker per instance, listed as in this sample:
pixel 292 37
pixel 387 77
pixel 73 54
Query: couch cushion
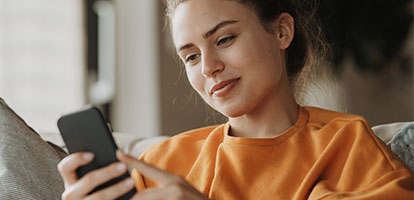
pixel 27 163
pixel 386 131
pixel 402 144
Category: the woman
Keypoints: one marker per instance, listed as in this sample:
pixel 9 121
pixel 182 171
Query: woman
pixel 240 56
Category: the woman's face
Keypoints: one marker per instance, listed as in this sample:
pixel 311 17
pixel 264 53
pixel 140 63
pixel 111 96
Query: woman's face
pixel 230 59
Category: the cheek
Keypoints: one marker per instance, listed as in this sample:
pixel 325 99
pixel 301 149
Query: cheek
pixel 266 58
pixel 196 80
pixel 251 52
pixel 260 61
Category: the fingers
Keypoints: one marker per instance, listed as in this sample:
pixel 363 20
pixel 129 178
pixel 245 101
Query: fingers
pixel 67 167
pixel 97 177
pixel 170 186
pixel 150 193
pixel 171 192
pixel 114 191
pixel 157 175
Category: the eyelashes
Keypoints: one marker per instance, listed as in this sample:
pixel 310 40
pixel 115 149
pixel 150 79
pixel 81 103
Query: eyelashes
pixel 191 58
pixel 224 42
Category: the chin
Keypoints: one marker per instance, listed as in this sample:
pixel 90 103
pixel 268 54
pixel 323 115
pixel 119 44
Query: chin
pixel 232 111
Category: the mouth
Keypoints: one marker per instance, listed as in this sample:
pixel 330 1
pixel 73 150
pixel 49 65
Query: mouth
pixel 223 88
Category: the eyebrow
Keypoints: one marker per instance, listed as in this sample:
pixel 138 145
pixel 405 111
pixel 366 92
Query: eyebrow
pixel 210 32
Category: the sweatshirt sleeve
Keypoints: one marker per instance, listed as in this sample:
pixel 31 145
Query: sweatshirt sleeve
pixel 141 182
pixel 394 185
pixel 368 169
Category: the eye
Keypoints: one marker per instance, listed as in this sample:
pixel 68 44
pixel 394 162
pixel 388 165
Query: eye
pixel 191 58
pixel 225 40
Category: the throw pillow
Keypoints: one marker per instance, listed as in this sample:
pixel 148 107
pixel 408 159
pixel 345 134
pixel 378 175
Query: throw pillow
pixel 28 164
pixel 402 144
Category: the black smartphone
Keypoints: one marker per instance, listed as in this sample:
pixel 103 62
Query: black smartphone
pixel 88 131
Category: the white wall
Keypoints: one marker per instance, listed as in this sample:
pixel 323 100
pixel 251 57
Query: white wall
pixel 42 62
pixel 136 105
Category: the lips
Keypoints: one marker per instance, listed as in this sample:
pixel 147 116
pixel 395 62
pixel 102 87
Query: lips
pixel 222 88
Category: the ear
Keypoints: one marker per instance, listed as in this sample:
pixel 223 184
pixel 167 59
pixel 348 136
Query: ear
pixel 284 27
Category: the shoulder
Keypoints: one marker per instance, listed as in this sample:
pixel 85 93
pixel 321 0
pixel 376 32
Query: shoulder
pixel 320 116
pixel 336 121
pixel 332 123
pixel 349 133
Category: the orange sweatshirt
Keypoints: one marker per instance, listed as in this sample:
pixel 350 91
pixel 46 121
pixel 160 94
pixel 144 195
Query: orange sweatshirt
pixel 325 155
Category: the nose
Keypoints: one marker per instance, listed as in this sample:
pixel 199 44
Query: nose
pixel 211 64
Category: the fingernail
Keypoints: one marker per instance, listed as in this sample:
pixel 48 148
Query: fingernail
pixel 88 156
pixel 129 182
pixel 121 167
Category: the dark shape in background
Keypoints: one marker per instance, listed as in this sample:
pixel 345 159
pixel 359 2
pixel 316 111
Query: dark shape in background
pixel 371 32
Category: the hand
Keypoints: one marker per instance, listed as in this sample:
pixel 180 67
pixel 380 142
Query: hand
pixel 76 188
pixel 170 186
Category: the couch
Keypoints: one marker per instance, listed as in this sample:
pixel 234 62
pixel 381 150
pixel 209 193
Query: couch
pixel 28 160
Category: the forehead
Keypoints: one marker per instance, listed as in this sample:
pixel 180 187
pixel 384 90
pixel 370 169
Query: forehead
pixel 193 18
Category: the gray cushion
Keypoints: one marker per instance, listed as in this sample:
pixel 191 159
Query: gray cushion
pixel 402 144
pixel 27 163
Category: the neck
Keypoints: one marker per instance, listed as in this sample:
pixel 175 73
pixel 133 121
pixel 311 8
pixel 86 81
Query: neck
pixel 274 115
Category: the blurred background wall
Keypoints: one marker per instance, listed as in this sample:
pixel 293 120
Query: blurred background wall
pixel 56 57
pixel 42 59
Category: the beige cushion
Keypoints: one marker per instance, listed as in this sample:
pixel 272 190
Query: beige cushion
pixel 27 163
pixel 386 131
pixel 133 144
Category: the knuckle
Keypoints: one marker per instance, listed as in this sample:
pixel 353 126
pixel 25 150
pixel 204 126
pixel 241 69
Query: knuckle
pixel 60 167
pixel 63 168
pixel 64 195
pixel 89 179
pixel 64 165
pixel 115 169
pixel 67 195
